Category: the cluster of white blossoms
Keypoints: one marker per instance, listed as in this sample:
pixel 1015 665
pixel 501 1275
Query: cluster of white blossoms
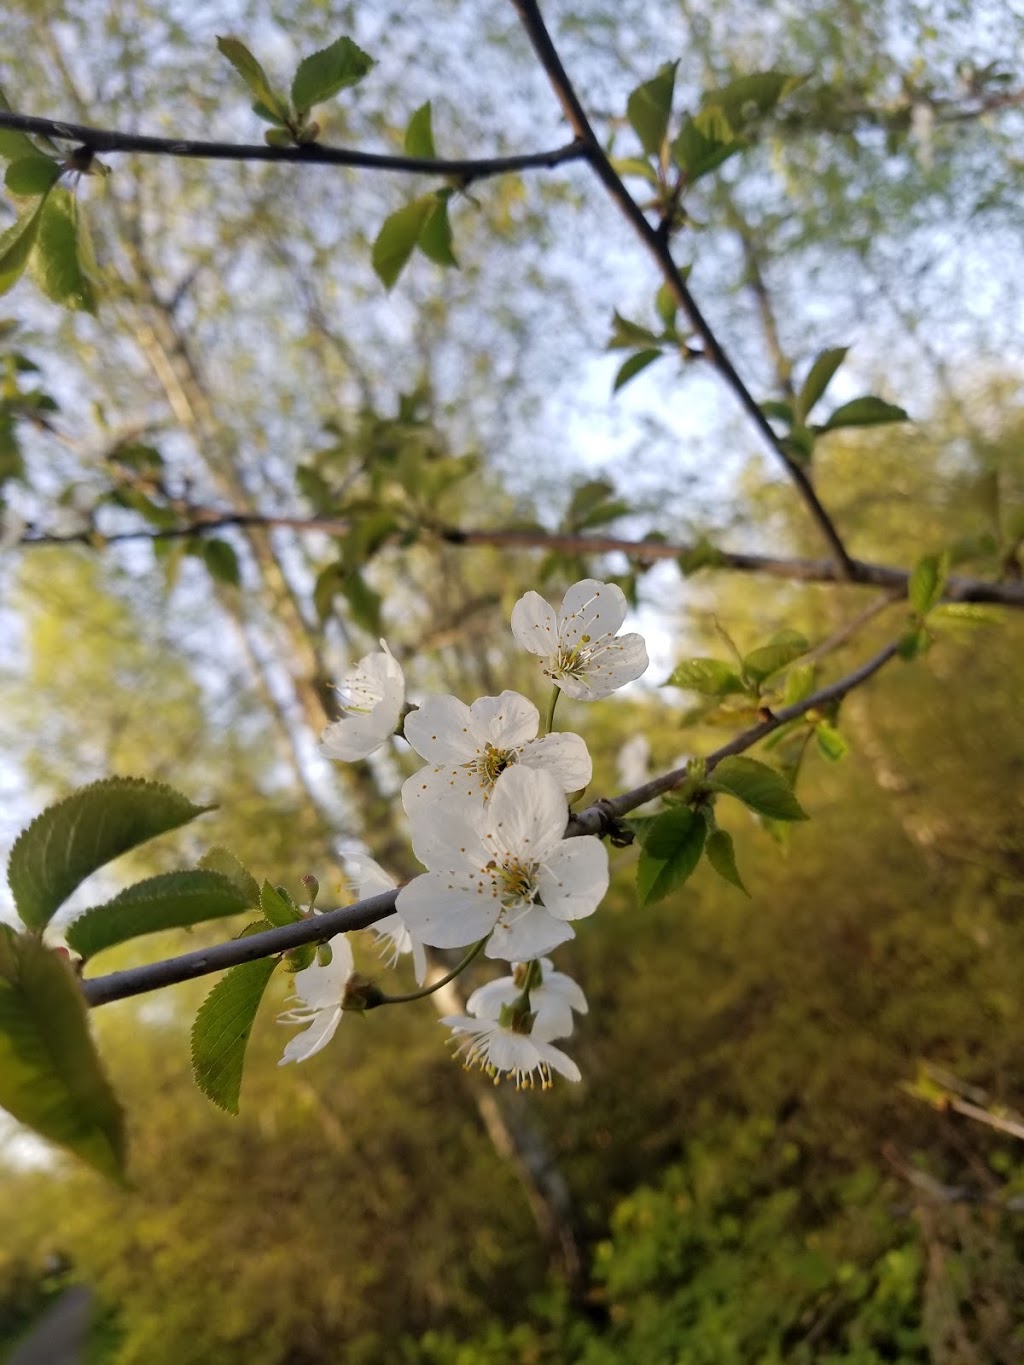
pixel 487 818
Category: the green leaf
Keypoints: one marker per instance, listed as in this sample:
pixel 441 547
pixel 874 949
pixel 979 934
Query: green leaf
pixel 780 650
pixel 649 108
pixel 70 840
pixel 172 900
pixel 16 247
pixel 276 908
pixel 32 175
pixel 799 684
pixel 830 741
pixel 963 618
pixel 435 239
pixel 818 379
pixel 255 77
pixel 701 146
pixel 701 555
pixel 626 334
pixel 927 582
pixel 631 367
pixel 671 850
pixel 419 135
pixel 722 857
pixel 222 1028
pixel 363 602
pixel 222 860
pixel 750 97
pixel 757 786
pixel 398 236
pixel 709 677
pixel 666 305
pixel 868 411
pixel 781 412
pixel 269 116
pixel 50 1074
pixel 632 165
pixel 15 146
pixel 221 561
pixel 587 498
pixel 914 643
pixel 60 263
pixel 333 68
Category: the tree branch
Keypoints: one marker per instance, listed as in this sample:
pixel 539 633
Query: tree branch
pixel 311 154
pixel 865 573
pixel 656 241
pixel 596 819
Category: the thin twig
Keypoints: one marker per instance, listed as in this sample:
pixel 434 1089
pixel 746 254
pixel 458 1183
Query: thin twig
pixel 596 819
pixel 656 241
pixel 865 573
pixel 107 140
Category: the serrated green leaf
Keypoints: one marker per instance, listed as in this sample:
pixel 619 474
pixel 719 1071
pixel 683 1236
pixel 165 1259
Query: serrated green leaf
pixel 61 261
pixel 649 108
pixel 722 857
pixel 709 677
pixel 398 236
pixel 221 561
pixel 830 742
pixel 16 247
pixel 328 71
pixel 818 379
pixel 254 76
pixel 700 147
pixel 868 411
pixel 927 582
pixel 435 239
pixel 50 1074
pixel 172 900
pixel 32 175
pixel 222 1028
pixel 757 786
pixel 632 366
pixel 670 852
pixel 780 650
pixel 95 824
pixel 276 908
pixel 419 134
pixel 222 860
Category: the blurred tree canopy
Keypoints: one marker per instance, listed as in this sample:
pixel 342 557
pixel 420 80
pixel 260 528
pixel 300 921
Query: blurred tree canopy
pixel 234 459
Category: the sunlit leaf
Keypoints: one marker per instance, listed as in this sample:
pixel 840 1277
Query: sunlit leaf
pixel 73 838
pixel 172 900
pixel 276 908
pixel 61 262
pixel 222 860
pixel 16 247
pixel 709 677
pixel 780 650
pixel 818 379
pixel 254 76
pixel 419 134
pixel 927 582
pixel 333 68
pixel 868 411
pixel 757 786
pixel 398 236
pixel 222 1028
pixel 631 367
pixel 435 239
pixel 50 1074
pixel 32 175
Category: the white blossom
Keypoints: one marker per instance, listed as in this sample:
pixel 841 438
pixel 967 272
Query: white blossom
pixel 552 1001
pixel 506 867
pixel 318 990
pixel 467 748
pixel 500 1051
pixel 371 880
pixel 580 647
pixel 372 698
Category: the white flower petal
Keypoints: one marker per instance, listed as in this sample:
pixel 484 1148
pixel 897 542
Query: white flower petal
pixel 526 816
pixel 446 818
pixel 520 936
pixel 564 756
pixel 506 721
pixel 446 915
pixel 574 878
pixel 441 730
pixel 486 1044
pixel 313 1039
pixel 319 987
pixel 591 608
pixel 535 625
pixel 373 695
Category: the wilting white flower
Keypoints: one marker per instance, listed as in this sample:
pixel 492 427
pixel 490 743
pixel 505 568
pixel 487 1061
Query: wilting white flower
pixel 505 867
pixel 371 880
pixel 372 697
pixel 467 748
pixel 318 990
pixel 500 1051
pixel 579 645
pixel 552 1001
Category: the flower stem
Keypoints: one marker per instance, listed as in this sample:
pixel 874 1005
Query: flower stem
pixel 435 986
pixel 550 720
